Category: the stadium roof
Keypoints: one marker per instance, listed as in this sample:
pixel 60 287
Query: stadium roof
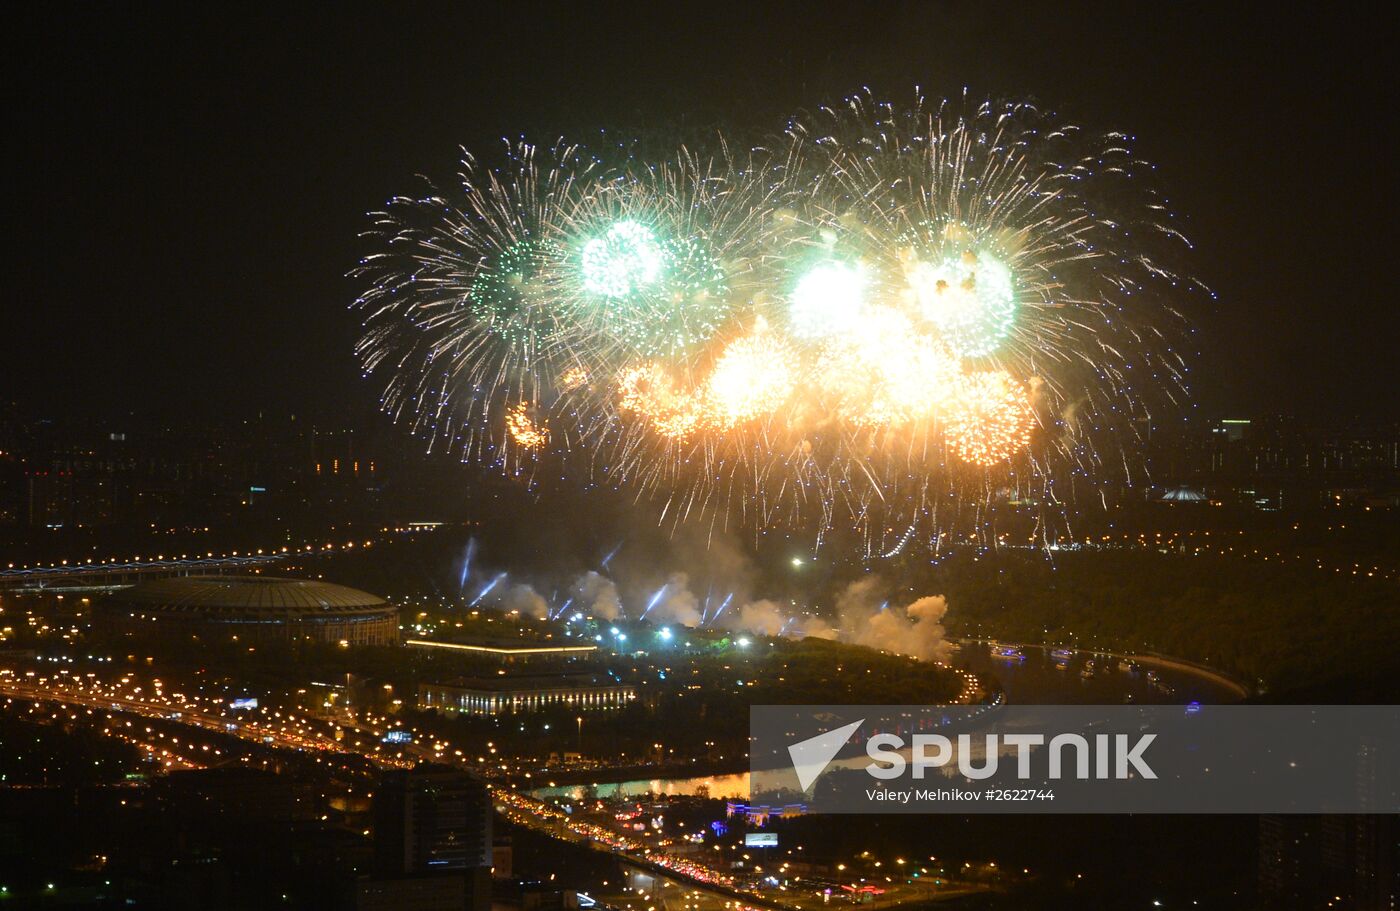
pixel 244 595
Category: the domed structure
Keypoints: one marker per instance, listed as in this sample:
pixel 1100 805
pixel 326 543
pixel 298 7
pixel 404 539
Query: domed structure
pixel 1184 495
pixel 253 609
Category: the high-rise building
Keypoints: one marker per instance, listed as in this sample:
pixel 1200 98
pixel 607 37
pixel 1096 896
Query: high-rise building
pixel 435 820
pixel 1329 862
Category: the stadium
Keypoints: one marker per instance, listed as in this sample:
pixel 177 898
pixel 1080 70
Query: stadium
pixel 252 609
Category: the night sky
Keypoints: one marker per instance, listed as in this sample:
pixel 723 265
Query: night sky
pixel 190 184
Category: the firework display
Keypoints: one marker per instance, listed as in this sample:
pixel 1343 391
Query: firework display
pixel 880 316
pixel 460 320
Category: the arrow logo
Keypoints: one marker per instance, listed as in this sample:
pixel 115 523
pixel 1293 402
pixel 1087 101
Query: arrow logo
pixel 811 757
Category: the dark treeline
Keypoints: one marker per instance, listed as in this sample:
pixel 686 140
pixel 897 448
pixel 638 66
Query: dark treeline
pixel 1288 627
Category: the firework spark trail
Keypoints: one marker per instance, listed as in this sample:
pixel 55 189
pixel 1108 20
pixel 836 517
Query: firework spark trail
pixel 880 318
pixel 725 603
pixel 487 589
pixel 467 558
pixel 654 599
pixel 562 609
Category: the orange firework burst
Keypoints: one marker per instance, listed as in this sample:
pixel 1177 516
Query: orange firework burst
pixel 988 418
pixel 649 391
pixel 573 378
pixel 884 372
pixel 523 429
pixel 754 376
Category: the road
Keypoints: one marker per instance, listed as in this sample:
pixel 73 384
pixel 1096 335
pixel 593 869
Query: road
pixel 304 734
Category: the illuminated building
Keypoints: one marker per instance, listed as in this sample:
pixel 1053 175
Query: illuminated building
pixel 510 695
pixel 509 651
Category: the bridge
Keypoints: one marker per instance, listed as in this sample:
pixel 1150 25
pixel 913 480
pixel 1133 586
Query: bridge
pixel 98 576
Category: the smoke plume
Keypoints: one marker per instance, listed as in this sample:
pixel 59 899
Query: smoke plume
pixel 867 618
pixel 522 597
pixel 596 594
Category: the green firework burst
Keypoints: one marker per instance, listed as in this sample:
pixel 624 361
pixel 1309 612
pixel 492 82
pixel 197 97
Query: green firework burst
pixel 502 290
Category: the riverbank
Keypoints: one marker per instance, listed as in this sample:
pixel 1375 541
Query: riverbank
pixel 1218 677
pixel 1223 680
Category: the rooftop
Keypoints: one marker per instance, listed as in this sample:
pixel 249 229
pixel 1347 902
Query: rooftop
pixel 244 594
pixel 530 682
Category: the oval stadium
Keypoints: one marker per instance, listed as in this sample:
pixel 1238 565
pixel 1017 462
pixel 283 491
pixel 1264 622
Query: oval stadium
pixel 252 609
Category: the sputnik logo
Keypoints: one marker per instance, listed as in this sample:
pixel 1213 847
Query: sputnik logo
pixel 810 757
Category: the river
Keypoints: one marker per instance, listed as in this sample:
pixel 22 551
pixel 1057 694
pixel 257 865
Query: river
pixel 1039 678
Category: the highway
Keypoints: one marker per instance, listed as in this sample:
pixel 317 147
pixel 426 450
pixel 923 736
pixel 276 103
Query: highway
pixel 307 734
